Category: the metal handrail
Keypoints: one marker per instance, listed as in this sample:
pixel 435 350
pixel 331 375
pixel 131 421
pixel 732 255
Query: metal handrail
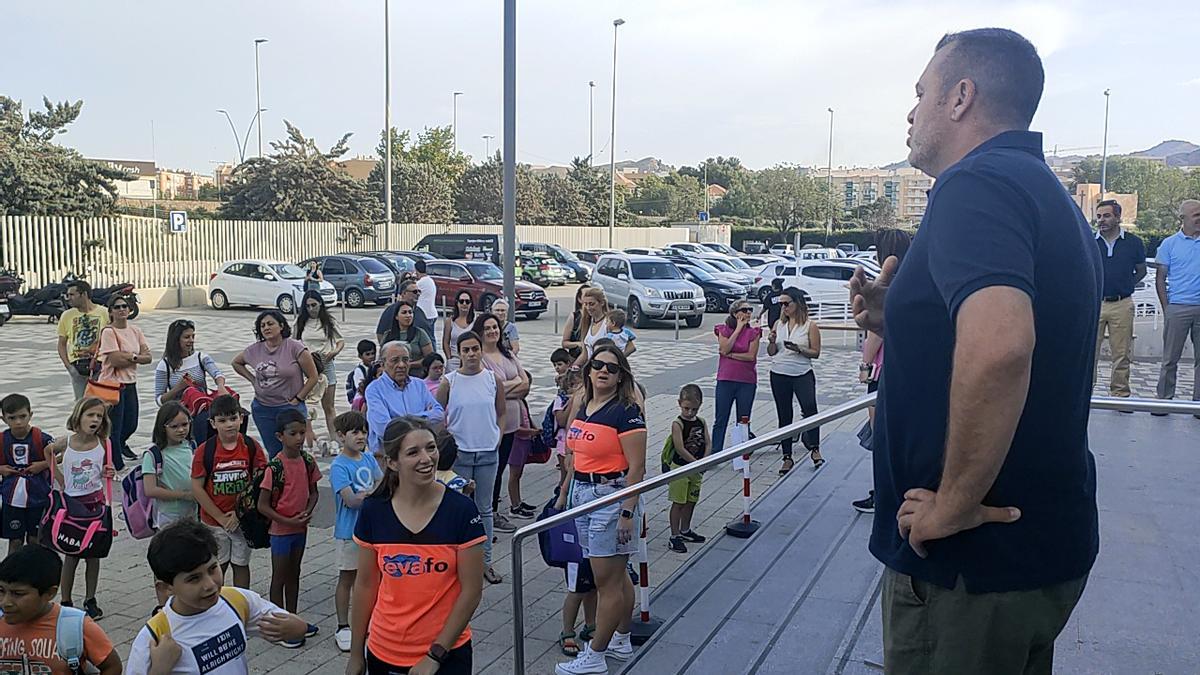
pixel 748 448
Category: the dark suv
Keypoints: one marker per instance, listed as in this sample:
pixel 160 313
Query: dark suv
pixel 359 279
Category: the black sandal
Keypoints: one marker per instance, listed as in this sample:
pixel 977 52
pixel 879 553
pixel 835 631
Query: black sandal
pixel 788 463
pixel 817 460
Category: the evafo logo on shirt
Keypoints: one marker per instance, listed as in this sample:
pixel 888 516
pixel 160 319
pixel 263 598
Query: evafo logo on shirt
pixel 406 564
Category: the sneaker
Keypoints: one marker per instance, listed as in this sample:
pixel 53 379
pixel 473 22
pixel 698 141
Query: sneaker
pixel 676 544
pixel 501 524
pixel 342 638
pixel 693 537
pixel 588 662
pixel 93 610
pixel 292 644
pixel 520 514
pixel 528 507
pixel 311 630
pixel 866 505
pixel 620 647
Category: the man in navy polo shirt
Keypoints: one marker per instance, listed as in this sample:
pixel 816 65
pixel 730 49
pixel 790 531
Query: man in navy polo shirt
pixel 1123 257
pixel 985 489
pixel 1178 286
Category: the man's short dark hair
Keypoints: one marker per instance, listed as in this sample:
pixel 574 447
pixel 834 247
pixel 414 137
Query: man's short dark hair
pixel 1005 68
pixel 420 266
pixel 1116 207
pixel 224 406
pixel 560 355
pixel 81 287
pixel 366 347
pixel 777 283
pixel 14 403
pixel 179 548
pixel 289 416
pixel 35 565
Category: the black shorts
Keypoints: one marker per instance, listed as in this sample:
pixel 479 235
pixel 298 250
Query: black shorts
pixel 20 522
pixel 585 582
pixel 458 662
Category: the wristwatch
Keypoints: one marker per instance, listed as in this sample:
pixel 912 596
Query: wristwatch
pixel 626 513
pixel 437 653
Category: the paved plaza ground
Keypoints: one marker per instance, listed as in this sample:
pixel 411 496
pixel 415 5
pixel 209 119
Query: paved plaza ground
pixel 662 364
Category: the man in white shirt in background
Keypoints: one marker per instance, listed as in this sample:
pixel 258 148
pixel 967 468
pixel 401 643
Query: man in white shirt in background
pixel 427 300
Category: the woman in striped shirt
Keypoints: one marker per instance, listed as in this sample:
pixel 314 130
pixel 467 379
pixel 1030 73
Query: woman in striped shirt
pixel 181 367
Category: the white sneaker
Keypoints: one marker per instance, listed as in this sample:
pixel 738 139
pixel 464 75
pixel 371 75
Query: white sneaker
pixel 588 662
pixel 619 647
pixel 342 637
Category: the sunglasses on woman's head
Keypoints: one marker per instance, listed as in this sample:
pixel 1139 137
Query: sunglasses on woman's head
pixel 186 323
pixel 612 368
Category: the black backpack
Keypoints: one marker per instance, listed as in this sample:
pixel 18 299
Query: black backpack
pixel 254 525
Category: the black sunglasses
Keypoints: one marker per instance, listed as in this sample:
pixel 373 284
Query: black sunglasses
pixel 742 309
pixel 186 323
pixel 612 368
pixel 115 307
pixel 464 301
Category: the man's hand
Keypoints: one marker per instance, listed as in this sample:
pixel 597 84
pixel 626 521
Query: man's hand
pixel 164 654
pixel 281 626
pixel 923 519
pixel 866 297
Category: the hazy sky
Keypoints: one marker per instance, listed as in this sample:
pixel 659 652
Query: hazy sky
pixel 696 78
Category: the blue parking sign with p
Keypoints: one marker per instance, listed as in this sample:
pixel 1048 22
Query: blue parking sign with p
pixel 178 221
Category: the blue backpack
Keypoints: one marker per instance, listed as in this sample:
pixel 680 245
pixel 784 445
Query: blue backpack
pixel 549 427
pixel 68 635
pixel 351 390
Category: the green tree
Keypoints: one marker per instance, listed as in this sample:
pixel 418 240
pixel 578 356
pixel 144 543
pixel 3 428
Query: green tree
pixel 1159 188
pixel 563 200
pixel 41 178
pixel 787 199
pixel 480 196
pixel 723 171
pixel 594 187
pixel 420 193
pixel 433 148
pixel 208 193
pixel 298 182
pixel 876 215
pixel 678 197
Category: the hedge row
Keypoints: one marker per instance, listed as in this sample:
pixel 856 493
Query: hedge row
pixel 865 238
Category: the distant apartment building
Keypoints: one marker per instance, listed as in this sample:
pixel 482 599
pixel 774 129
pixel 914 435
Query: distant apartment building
pixel 175 184
pixel 1087 196
pixel 905 188
pixel 145 183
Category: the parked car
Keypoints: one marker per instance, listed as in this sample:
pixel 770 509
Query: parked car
pixel 416 255
pixel 462 246
pixel 754 247
pixel 485 282
pixel 644 250
pixel 359 279
pixel 718 247
pixel 782 249
pixel 847 247
pixel 591 255
pixel 719 294
pixel 723 274
pixel 686 247
pixel 576 269
pixel 649 287
pixel 262 283
pixel 819 278
pixel 817 252
pixel 401 265
pixel 727 264
pixel 541 269
pixel 757 262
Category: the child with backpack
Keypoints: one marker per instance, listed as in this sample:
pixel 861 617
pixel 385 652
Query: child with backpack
pixel 689 441
pixel 356 379
pixel 352 475
pixel 33 621
pixel 167 469
pixel 85 476
pixel 24 472
pixel 287 497
pixel 203 629
pixel 221 473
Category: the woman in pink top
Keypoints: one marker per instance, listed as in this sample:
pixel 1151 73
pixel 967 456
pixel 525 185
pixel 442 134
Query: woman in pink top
pixel 122 348
pixel 737 374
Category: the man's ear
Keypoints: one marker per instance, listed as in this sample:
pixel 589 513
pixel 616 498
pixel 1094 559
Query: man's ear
pixel 961 98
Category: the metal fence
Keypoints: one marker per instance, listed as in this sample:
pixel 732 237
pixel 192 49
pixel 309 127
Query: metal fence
pixel 144 252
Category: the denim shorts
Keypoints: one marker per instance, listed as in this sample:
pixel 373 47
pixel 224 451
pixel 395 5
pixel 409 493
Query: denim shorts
pixel 598 529
pixel 284 544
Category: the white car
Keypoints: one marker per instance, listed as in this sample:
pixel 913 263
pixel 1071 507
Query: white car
pixel 645 250
pixel 782 249
pixel 687 247
pixel 718 247
pixel 727 264
pixel 262 283
pixel 823 280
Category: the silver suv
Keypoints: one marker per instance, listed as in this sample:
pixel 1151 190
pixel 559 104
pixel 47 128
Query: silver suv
pixel 648 287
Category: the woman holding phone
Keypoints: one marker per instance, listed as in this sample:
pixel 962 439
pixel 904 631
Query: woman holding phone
pixel 737 368
pixel 793 343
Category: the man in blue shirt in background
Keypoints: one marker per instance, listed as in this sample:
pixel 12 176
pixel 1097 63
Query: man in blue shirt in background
pixel 985 490
pixel 1178 262
pixel 395 394
pixel 1123 257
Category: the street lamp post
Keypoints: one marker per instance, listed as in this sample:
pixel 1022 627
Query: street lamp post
pixel 454 120
pixel 1104 150
pixel 509 177
pixel 387 123
pixel 591 122
pixel 258 93
pixel 829 184
pixel 487 146
pixel 241 146
pixel 612 145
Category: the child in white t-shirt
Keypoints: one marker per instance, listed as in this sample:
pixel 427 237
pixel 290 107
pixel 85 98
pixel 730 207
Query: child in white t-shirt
pixel 621 336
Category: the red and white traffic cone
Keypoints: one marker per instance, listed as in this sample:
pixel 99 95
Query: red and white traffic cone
pixel 644 625
pixel 745 526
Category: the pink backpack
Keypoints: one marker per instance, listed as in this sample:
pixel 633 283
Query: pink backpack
pixel 136 506
pixel 76 528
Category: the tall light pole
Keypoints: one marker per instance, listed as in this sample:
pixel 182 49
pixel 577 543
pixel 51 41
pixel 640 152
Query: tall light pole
pixel 258 92
pixel 509 213
pixel 591 122
pixel 829 185
pixel 454 120
pixel 612 146
pixel 241 147
pixel 487 146
pixel 387 123
pixel 1104 151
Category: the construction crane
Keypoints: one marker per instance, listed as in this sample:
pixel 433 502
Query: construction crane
pixel 1083 147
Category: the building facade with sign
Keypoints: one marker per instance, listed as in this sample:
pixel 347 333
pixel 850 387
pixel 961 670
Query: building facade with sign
pixel 144 186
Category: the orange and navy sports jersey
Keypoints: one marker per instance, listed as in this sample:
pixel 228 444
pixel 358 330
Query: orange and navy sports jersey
pixel 420 574
pixel 596 439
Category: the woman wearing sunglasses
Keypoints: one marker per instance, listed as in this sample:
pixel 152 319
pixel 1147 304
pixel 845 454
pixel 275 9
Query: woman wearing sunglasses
pixel 606 451
pixel 737 373
pixel 181 367
pixel 462 317
pixel 793 343
pixel 122 348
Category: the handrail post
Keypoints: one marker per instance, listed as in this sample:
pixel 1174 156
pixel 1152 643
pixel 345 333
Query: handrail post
pixel 518 599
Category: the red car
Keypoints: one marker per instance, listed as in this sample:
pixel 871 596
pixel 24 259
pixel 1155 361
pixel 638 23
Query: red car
pixel 485 282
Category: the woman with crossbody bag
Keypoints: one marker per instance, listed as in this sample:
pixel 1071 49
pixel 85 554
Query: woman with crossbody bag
pixel 122 348
pixel 182 375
